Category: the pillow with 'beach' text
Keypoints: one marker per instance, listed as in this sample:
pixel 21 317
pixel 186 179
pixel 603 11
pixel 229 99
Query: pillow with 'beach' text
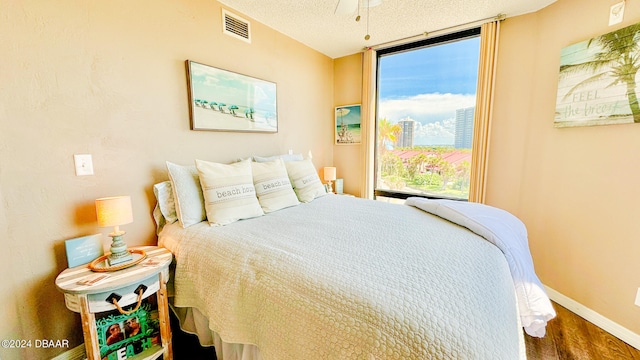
pixel 229 194
pixel 273 186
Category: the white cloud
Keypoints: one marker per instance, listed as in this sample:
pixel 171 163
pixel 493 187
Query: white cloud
pixel 436 133
pixel 425 108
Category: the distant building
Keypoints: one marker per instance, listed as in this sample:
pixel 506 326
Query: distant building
pixel 405 139
pixel 464 128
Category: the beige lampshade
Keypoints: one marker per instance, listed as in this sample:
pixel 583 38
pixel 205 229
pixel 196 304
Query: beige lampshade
pixel 329 173
pixel 114 211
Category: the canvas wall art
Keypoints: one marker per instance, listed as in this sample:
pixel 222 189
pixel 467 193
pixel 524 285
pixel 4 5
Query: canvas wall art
pixel 597 80
pixel 347 125
pixel 222 100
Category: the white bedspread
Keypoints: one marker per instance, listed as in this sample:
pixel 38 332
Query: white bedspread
pixel 509 234
pixel 348 278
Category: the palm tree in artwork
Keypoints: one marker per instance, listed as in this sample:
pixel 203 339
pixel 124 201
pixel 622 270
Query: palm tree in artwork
pixel 618 59
pixel 232 109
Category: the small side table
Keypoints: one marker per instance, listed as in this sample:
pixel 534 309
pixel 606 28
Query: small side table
pixel 138 327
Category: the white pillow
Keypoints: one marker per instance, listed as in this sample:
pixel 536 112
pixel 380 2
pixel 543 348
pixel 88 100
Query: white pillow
pixel 272 184
pixel 305 180
pixel 228 191
pixel 164 197
pixel 285 157
pixel 187 194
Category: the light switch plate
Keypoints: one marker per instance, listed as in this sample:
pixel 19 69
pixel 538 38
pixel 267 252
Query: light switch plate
pixel 616 13
pixel 84 164
pixel 638 298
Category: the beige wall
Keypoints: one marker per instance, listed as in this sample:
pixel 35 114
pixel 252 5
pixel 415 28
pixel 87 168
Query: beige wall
pixel 347 91
pixel 575 188
pixel 108 78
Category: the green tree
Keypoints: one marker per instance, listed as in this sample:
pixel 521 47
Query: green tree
pixel 416 164
pixel 618 60
pixel 446 171
pixel 392 165
pixel 463 172
pixel 433 163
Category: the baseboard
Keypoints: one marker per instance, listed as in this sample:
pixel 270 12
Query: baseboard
pixel 77 353
pixel 593 317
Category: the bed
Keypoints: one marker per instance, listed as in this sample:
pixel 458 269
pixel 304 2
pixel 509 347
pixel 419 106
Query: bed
pixel 339 277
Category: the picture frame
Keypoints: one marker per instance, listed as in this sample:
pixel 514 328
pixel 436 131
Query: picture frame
pixel 83 250
pixel 339 186
pixel 596 83
pixel 347 125
pixel 129 333
pixel 221 100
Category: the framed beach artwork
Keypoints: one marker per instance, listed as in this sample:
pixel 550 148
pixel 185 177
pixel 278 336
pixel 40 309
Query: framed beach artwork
pixel 597 80
pixel 221 100
pixel 347 125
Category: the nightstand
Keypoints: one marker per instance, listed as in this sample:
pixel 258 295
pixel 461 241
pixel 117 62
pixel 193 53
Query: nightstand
pixel 135 325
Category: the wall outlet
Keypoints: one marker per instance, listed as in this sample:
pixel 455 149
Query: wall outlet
pixel 637 302
pixel 84 164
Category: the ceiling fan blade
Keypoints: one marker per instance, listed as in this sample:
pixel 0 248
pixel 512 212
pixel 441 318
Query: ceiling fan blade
pixel 345 7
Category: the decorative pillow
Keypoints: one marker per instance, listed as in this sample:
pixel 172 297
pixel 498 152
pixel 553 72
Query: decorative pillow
pixel 164 196
pixel 273 186
pixel 228 191
pixel 284 157
pixel 305 180
pixel 187 194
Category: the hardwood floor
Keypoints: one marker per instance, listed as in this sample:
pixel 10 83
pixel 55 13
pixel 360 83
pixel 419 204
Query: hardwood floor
pixel 570 337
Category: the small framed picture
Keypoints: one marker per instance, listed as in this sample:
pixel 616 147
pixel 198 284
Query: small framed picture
pixel 339 186
pixel 347 125
pixel 83 250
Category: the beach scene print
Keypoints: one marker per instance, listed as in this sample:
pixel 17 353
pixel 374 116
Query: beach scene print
pixel 597 81
pixel 226 101
pixel 348 124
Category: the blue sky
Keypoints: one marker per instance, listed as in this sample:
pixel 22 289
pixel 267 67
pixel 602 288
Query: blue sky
pixel 428 85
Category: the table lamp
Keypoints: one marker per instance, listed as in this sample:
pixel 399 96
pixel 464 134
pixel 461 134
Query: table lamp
pixel 329 176
pixel 115 211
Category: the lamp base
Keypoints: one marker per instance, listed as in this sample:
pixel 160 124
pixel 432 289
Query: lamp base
pixel 119 253
pixel 329 187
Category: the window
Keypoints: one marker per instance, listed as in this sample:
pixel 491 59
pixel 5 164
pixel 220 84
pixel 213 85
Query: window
pixel 425 113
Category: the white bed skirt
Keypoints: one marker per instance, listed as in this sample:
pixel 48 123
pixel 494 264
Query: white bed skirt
pixel 193 322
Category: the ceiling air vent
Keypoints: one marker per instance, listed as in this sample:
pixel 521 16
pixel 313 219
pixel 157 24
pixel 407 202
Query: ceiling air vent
pixel 235 26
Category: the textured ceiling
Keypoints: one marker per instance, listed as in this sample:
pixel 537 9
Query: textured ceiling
pixel 315 24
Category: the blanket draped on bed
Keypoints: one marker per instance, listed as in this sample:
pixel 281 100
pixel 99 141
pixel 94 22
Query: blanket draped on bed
pixel 348 278
pixel 509 234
